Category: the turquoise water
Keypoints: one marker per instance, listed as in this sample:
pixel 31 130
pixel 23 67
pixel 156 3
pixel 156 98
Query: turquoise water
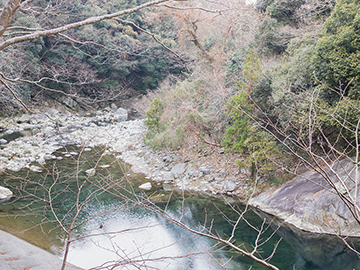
pixel 131 236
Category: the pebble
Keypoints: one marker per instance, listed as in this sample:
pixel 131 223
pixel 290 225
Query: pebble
pixel 90 172
pixel 3 141
pixel 145 186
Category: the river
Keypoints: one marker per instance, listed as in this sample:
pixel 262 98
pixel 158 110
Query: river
pixel 131 234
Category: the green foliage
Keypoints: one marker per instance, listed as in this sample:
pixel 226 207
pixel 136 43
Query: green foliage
pixel 262 150
pixel 337 58
pixel 340 121
pixel 262 5
pixel 296 72
pixel 262 93
pixel 133 60
pixel 168 139
pixel 239 106
pixel 237 132
pixel 282 10
pixel 159 133
pixel 242 136
pixel 269 39
pixel 234 66
pixel 166 122
pixel 285 10
pixel 252 71
pixel 188 113
pixel 153 115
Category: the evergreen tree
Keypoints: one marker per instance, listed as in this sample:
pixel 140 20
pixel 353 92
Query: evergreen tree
pixel 337 58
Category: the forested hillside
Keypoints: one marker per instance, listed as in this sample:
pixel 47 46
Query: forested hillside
pixel 106 61
pixel 238 96
pixel 275 83
pixel 271 81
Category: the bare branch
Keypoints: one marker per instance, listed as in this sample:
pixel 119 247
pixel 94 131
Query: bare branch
pixel 155 38
pixel 7 14
pixel 67 27
pixel 13 93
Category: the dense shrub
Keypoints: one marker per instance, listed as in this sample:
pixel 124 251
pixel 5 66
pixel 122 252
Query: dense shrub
pixel 337 58
pixel 295 73
pixel 283 11
pixel 270 39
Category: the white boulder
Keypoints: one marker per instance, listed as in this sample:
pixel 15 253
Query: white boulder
pixel 90 172
pixel 5 193
pixel 146 186
pixel 34 168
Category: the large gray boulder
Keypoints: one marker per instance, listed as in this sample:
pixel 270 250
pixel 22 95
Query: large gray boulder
pixel 178 169
pixel 24 118
pixel 309 203
pixel 120 115
pixel 229 186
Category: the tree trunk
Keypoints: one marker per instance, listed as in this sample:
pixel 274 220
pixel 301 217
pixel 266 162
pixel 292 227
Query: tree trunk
pixel 7 13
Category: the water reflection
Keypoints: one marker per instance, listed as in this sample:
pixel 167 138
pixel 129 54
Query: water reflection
pixel 328 252
pixel 144 241
pixel 145 238
pixel 325 251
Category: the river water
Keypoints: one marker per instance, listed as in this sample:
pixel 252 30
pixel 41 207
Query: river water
pixel 137 238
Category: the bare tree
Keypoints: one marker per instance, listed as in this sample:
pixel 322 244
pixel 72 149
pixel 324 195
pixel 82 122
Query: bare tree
pixel 13 5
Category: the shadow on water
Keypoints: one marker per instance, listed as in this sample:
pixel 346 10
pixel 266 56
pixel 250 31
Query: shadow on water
pixel 129 233
pixel 323 250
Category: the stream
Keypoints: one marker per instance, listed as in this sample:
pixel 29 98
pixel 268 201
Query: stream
pixel 129 235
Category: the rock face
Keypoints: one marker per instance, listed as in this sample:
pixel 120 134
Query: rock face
pixel 324 250
pixel 309 203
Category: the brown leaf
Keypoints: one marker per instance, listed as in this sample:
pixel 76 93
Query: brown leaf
pixel 12 259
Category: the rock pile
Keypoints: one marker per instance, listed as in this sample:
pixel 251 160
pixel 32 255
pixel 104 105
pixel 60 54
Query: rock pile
pixel 41 135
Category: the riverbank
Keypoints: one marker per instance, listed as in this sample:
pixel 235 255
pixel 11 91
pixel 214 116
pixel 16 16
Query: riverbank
pixel 309 203
pixel 29 141
pixel 19 254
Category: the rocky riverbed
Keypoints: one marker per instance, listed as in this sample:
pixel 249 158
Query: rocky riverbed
pixel 30 140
